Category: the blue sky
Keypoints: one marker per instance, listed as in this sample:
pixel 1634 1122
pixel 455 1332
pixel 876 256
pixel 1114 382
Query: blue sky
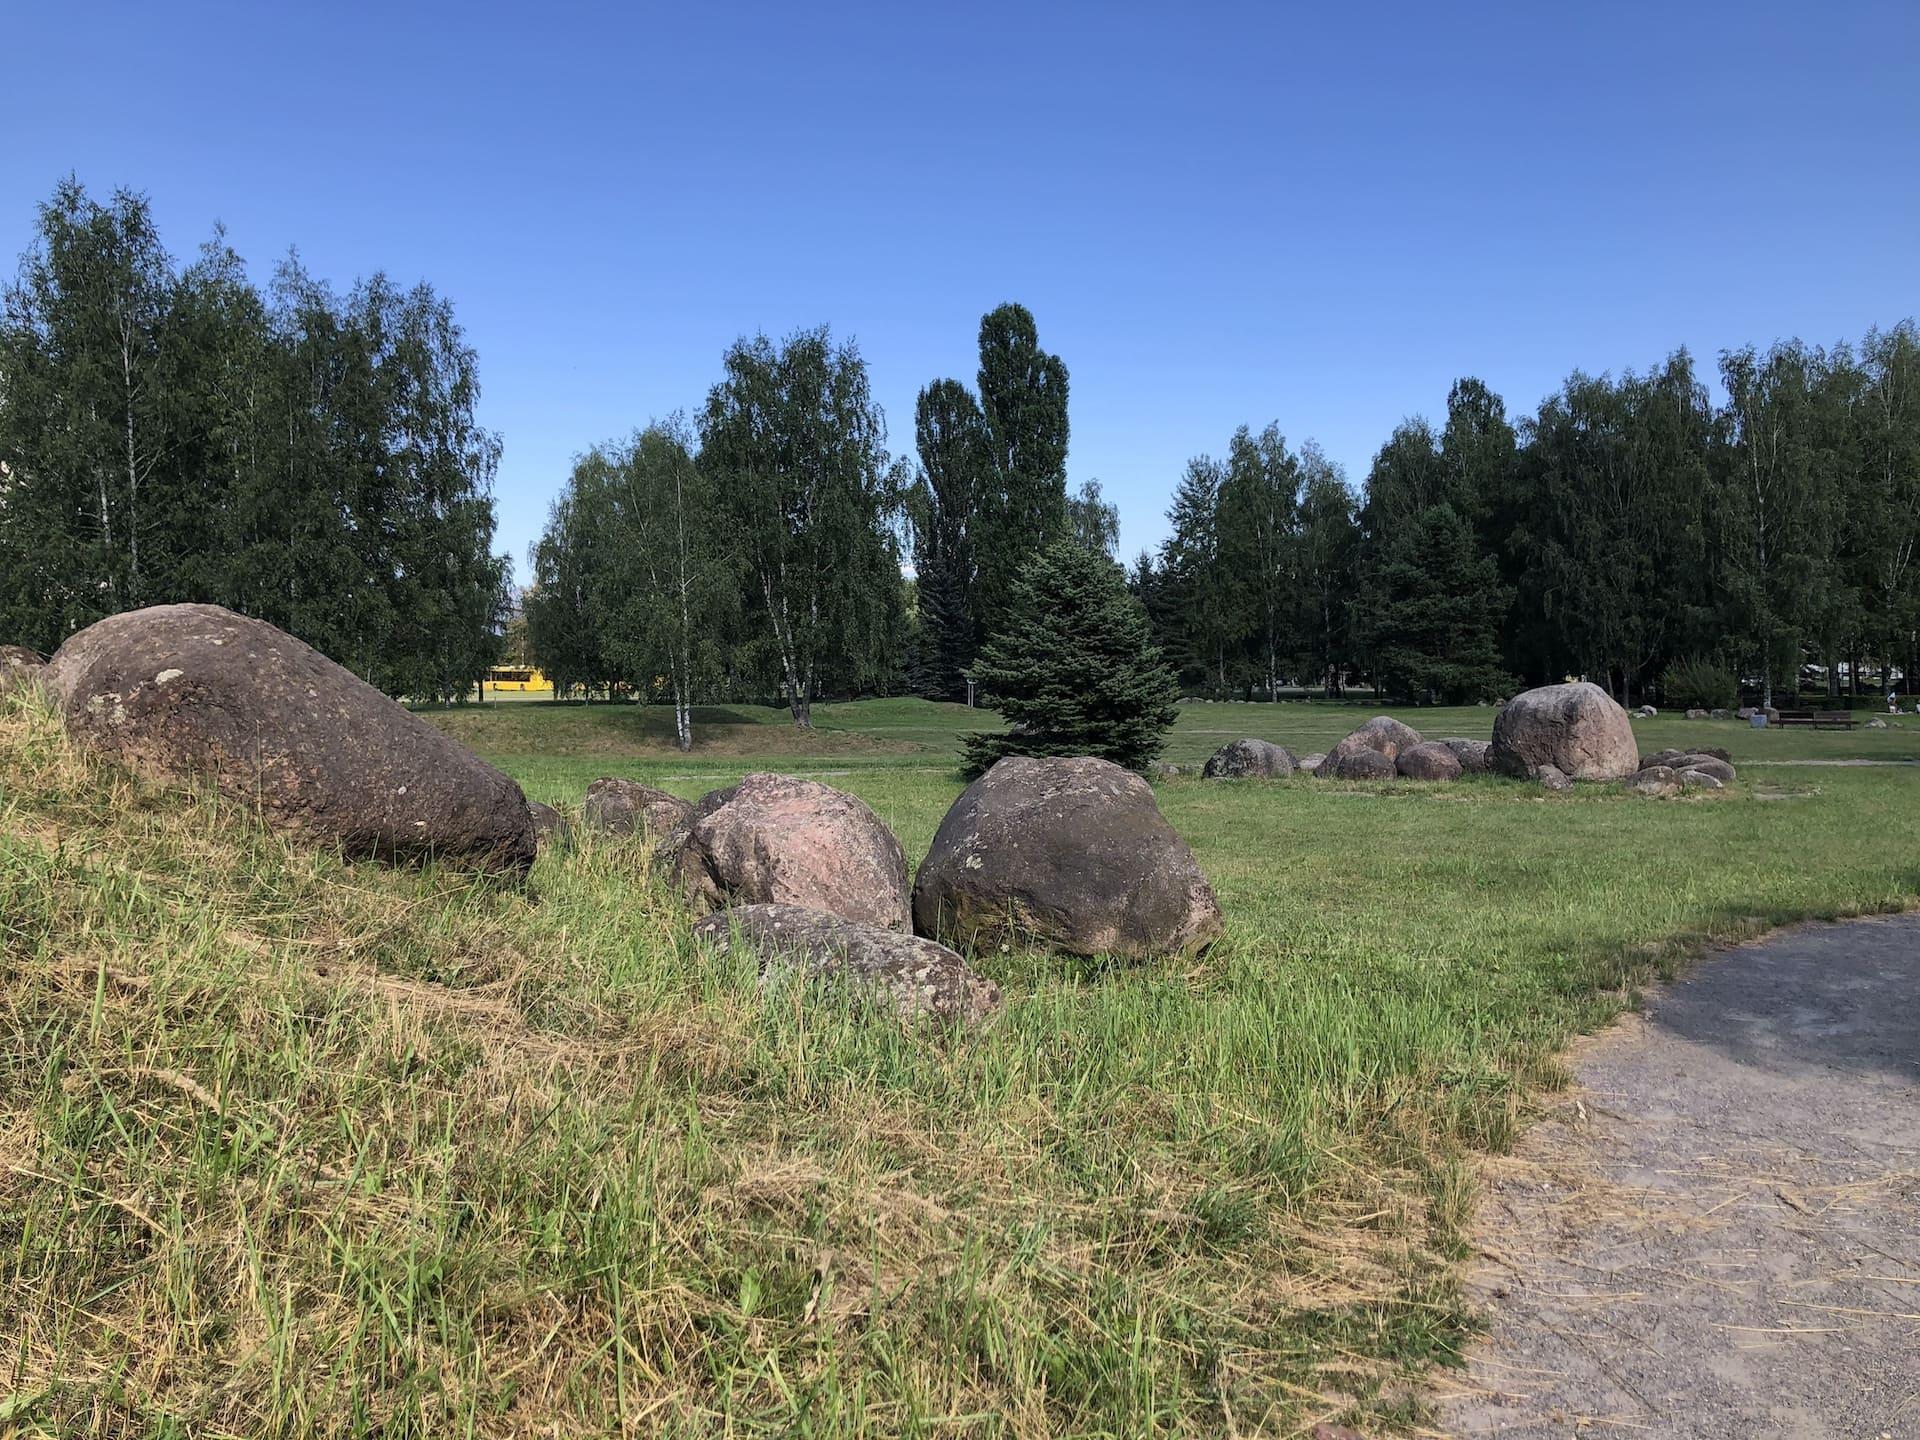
pixel 1219 214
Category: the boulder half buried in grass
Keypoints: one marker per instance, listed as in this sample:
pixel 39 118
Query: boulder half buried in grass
pixel 1250 759
pixel 626 807
pixel 1071 853
pixel 781 840
pixel 198 693
pixel 917 977
pixel 19 667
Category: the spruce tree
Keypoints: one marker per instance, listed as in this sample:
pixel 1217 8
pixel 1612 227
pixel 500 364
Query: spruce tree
pixel 1075 670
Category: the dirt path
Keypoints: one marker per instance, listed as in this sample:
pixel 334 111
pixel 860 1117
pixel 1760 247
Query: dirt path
pixel 1716 1233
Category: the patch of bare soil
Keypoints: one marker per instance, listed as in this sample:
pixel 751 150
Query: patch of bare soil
pixel 1715 1235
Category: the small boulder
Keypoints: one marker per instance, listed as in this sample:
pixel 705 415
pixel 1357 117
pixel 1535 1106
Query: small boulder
pixel 550 827
pixel 1716 713
pixel 1701 780
pixel 917 977
pixel 19 667
pixel 1576 728
pixel 1707 765
pixel 196 692
pixel 1359 765
pixel 1072 853
pixel 1310 764
pixel 1875 724
pixel 1551 777
pixel 1746 712
pixel 1472 754
pixel 626 807
pixel 1249 759
pixel 1382 735
pixel 1696 714
pixel 1646 712
pixel 1663 757
pixel 1655 780
pixel 778 839
pixel 1429 760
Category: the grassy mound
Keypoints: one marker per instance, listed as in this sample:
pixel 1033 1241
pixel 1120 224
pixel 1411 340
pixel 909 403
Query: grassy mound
pixel 292 1146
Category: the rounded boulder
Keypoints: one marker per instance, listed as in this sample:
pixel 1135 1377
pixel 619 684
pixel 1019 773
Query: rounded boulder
pixel 1429 760
pixel 626 807
pixel 1249 759
pixel 1359 765
pixel 1382 735
pixel 780 840
pixel 917 977
pixel 1071 853
pixel 1576 728
pixel 198 693
pixel 1472 754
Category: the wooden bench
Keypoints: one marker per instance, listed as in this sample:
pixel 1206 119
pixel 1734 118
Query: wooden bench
pixel 1818 719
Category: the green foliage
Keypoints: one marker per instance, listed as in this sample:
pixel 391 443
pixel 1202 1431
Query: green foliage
pixel 1023 405
pixel 1432 613
pixel 944 513
pixel 1697 683
pixel 1093 520
pixel 634 581
pixel 795 449
pixel 1076 671
pixel 310 460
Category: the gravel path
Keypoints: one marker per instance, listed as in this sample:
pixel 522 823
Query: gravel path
pixel 1716 1233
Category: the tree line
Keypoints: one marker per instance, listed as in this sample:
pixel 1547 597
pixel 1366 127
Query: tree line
pixel 1631 529
pixel 760 546
pixel 169 432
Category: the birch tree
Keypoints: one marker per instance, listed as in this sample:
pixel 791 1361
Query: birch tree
pixel 796 451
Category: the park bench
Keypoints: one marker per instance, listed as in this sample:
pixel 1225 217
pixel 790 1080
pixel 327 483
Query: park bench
pixel 1818 719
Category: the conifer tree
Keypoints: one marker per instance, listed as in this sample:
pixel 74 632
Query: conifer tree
pixel 1075 671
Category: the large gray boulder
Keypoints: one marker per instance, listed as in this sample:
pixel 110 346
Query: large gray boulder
pixel 1576 728
pixel 1072 853
pixel 1382 735
pixel 781 840
pixel 19 667
pixel 197 693
pixel 626 807
pixel 1429 760
pixel 1256 759
pixel 916 977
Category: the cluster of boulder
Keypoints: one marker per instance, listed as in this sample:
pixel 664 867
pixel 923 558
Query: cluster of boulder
pixel 1669 771
pixel 1381 749
pixel 1552 736
pixel 1069 853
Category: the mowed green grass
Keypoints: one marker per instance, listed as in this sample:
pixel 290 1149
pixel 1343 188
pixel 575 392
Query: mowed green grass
pixel 290 1146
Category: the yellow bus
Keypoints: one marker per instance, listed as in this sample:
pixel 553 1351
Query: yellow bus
pixel 517 683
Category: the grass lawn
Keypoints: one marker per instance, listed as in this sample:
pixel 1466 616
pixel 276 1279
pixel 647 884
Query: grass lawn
pixel 289 1146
